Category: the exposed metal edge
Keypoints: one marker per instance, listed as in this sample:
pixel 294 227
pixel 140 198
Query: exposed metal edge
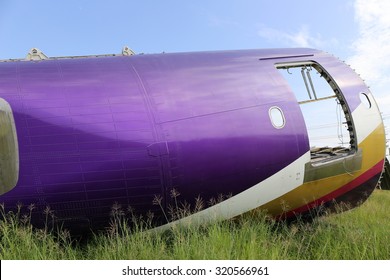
pixel 125 52
pixel 62 57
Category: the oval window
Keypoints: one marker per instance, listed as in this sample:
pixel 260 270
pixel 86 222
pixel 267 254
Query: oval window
pixel 277 117
pixel 365 100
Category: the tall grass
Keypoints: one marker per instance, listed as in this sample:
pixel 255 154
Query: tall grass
pixel 361 233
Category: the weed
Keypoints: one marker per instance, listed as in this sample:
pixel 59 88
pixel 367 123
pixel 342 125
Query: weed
pixel 361 233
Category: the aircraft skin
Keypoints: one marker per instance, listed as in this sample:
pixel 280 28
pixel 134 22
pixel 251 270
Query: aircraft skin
pixel 144 133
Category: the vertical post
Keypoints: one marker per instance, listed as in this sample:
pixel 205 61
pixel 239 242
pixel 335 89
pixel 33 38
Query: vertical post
pixel 305 80
pixel 311 83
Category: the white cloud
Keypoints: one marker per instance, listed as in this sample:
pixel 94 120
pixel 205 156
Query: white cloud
pixel 302 38
pixel 372 48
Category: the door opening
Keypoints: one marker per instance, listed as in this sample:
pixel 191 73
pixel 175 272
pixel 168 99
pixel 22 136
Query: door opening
pixel 327 117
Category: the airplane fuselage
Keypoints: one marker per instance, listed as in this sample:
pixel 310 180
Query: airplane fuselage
pixel 143 133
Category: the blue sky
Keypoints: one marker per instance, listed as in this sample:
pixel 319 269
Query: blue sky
pixel 77 27
pixel 357 31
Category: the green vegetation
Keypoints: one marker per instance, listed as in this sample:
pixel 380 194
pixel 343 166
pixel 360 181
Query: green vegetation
pixel 362 233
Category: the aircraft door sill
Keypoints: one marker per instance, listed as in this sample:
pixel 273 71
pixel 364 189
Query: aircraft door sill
pixel 333 165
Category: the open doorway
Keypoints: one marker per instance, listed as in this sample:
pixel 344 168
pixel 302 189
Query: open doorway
pixel 327 117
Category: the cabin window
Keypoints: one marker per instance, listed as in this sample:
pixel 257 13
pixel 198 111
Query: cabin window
pixel 326 114
pixel 277 117
pixel 365 100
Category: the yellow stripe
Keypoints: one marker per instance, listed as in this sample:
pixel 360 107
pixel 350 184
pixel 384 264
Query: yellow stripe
pixel 373 149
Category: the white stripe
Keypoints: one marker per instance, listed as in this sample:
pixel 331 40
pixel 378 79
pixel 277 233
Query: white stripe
pixel 273 187
pixel 366 120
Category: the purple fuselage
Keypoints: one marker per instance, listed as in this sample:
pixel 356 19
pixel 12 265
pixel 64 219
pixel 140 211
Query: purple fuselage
pixel 124 130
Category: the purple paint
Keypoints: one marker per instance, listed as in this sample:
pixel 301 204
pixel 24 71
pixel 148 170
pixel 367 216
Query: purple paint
pixel 97 131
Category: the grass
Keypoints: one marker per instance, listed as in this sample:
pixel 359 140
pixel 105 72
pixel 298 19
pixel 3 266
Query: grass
pixel 361 233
